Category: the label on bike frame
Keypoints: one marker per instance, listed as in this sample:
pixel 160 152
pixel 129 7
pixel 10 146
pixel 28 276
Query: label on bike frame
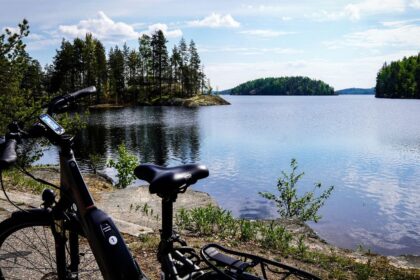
pixel 51 124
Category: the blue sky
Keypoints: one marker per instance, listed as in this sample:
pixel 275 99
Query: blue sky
pixel 343 43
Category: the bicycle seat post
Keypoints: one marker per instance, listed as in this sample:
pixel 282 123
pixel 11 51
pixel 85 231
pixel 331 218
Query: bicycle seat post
pixel 167 219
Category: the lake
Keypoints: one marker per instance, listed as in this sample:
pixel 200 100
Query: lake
pixel 368 148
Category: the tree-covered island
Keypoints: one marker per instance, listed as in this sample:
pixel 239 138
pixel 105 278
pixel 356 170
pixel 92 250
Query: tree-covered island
pixel 399 79
pixel 283 86
pixel 146 74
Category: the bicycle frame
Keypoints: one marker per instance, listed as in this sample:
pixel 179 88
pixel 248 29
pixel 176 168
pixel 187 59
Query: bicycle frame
pixel 112 255
pixel 168 255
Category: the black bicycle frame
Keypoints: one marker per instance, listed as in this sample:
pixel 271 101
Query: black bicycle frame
pixel 112 255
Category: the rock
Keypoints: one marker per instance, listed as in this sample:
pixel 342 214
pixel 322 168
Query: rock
pixel 195 101
pixel 138 206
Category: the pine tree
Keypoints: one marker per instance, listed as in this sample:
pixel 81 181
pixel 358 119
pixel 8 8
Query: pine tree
pixel 145 60
pixel 89 67
pixel 175 62
pixel 101 71
pixel 194 69
pixel 183 51
pixel 160 58
pixel 116 74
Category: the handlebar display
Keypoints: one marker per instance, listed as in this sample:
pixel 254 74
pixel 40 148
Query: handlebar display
pixel 51 124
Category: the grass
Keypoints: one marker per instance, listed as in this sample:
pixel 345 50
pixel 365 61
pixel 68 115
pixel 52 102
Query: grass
pixel 15 180
pixel 271 239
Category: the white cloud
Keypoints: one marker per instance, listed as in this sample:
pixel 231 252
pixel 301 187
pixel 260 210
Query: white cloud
pixel 324 15
pixel 165 29
pixel 215 20
pixel 285 18
pixel 101 27
pixel 407 36
pixel 266 33
pixel 399 22
pixel 355 11
pixel 251 51
pixel 104 28
pixel 415 4
pixel 12 29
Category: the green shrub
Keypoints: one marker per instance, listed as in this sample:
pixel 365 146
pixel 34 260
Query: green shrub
pixel 125 164
pixel 276 237
pixel 94 161
pixel 289 204
pixel 247 230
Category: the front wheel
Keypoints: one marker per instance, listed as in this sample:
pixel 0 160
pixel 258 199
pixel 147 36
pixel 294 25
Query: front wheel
pixel 27 250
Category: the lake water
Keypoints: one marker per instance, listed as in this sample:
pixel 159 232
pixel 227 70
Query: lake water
pixel 368 148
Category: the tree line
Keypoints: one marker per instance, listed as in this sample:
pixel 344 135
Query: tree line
pixel 142 75
pixel 399 79
pixel 283 86
pixel 145 74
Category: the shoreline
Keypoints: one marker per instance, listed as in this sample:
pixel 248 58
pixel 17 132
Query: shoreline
pixel 192 102
pixel 137 214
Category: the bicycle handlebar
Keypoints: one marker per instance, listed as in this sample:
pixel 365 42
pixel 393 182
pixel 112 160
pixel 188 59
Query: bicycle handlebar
pixel 8 153
pixel 60 103
pixel 8 156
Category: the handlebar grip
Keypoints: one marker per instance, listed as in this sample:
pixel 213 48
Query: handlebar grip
pixel 82 93
pixel 9 155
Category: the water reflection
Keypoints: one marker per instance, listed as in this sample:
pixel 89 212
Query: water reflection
pixel 367 148
pixel 160 135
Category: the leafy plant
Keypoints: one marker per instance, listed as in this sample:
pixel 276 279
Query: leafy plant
pixel 289 204
pixel 275 236
pixel 94 160
pixel 302 248
pixel 125 164
pixel 248 230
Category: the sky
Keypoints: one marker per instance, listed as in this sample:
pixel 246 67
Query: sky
pixel 343 43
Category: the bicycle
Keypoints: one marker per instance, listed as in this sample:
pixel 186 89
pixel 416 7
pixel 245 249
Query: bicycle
pixel 68 237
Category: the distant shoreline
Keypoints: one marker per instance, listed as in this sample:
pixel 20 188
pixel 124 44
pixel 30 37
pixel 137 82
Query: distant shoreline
pixel 196 101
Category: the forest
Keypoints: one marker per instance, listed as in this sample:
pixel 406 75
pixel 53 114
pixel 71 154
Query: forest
pixel 124 75
pixel 283 86
pixel 399 79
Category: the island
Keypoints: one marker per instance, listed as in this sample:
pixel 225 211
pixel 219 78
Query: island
pixel 399 79
pixel 356 91
pixel 283 86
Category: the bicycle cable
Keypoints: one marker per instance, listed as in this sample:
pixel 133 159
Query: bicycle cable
pixel 39 180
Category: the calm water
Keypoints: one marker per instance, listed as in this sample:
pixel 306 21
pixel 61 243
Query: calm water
pixel 368 148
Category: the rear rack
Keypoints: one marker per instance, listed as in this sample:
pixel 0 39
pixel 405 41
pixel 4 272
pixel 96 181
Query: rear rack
pixel 238 265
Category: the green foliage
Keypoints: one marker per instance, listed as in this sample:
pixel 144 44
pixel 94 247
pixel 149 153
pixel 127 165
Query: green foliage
pixel 125 164
pixel 128 75
pixel 289 204
pixel 283 86
pixel 275 237
pixel 15 180
pixel 207 221
pixel 214 221
pixel 20 79
pixel 247 230
pixel 94 161
pixel 399 79
pixel 302 248
pixel 73 122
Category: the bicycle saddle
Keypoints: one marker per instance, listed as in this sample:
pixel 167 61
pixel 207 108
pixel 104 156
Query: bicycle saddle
pixel 166 181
